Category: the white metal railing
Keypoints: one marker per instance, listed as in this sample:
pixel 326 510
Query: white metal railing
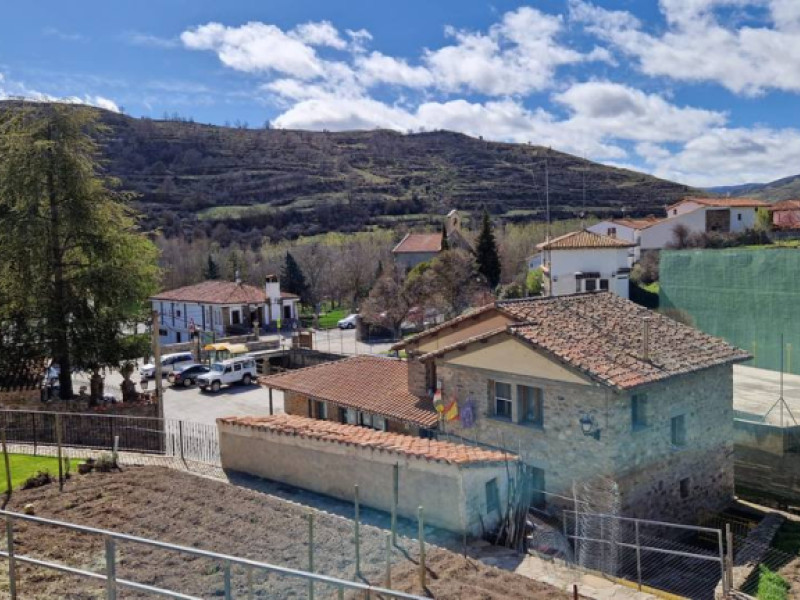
pixel 113 583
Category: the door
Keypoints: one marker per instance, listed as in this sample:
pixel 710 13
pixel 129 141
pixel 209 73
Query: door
pixel 537 484
pixel 177 337
pixel 287 312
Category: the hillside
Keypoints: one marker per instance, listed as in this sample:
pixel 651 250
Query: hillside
pixel 285 183
pixel 787 188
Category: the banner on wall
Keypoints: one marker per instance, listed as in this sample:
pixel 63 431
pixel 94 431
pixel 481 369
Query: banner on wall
pixel 468 412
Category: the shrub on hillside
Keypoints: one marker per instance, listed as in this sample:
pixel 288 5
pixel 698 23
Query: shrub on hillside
pixel 771 586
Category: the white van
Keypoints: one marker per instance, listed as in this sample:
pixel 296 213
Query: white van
pixel 234 370
pixel 169 363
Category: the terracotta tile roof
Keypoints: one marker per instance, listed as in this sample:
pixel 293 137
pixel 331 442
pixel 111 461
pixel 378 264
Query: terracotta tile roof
pixel 406 445
pixel 786 205
pixel 642 223
pixel 419 242
pixel 215 292
pixel 583 239
pixel 447 324
pixel 463 343
pixel 601 334
pixel 370 383
pixel 723 202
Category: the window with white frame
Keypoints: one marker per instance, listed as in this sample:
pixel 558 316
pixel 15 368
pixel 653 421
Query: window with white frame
pixel 531 405
pixel 502 400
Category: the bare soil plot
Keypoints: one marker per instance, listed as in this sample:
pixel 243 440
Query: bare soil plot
pixel 184 509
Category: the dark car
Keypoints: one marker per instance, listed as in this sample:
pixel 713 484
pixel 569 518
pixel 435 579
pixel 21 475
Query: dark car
pixel 188 375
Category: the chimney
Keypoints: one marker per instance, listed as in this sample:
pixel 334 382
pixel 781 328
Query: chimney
pixel 238 277
pixel 646 338
pixel 417 377
pixel 272 288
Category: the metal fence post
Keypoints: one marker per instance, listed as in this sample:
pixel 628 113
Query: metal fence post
pixel 180 439
pixel 12 571
pixel 228 593
pixel 395 499
pixel 729 539
pixel 723 566
pixel 388 561
pixel 111 426
pixel 357 533
pixel 60 461
pixel 638 555
pixel 111 570
pixel 7 465
pixel 311 554
pixel 33 415
pixel 422 573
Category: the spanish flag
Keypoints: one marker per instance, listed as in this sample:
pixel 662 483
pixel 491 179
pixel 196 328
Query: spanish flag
pixel 451 411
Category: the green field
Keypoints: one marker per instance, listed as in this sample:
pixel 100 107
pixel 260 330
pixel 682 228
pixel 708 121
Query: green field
pixel 24 466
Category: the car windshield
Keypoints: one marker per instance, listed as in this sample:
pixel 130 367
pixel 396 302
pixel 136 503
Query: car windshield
pixel 218 367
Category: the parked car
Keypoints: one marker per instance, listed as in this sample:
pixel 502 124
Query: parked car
pixel 169 363
pixel 188 375
pixel 349 322
pixel 235 370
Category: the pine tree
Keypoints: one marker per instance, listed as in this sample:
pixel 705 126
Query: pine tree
pixel 486 253
pixel 293 280
pixel 73 264
pixel 211 270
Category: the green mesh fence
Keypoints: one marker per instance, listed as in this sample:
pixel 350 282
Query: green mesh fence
pixel 748 297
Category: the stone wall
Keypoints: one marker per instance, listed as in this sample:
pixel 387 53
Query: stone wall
pixel 453 496
pixel 648 469
pixel 767 462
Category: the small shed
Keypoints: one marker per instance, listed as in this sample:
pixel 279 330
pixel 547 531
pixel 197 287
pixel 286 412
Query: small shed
pixel 462 488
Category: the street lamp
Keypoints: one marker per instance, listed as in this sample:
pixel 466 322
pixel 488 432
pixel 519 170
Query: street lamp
pixel 588 426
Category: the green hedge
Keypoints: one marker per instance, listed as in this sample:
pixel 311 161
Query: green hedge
pixel 771 586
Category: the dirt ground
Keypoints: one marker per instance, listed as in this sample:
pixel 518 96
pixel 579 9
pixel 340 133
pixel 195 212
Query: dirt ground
pixel 188 510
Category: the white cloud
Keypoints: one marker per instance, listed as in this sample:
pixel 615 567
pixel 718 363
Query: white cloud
pixel 64 36
pixel 255 47
pixel 518 55
pixel 696 46
pixel 320 33
pixel 379 68
pixel 17 90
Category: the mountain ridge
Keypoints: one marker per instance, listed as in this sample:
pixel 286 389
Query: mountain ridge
pixel 285 183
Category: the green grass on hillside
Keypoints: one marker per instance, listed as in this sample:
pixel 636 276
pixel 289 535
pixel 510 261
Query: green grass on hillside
pixel 24 466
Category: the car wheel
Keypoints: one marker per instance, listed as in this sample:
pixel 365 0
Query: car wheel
pixel 187 382
pixel 246 380
pixel 351 326
pixel 215 386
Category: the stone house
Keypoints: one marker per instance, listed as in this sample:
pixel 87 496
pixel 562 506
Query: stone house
pixel 222 308
pixel 786 214
pixel 461 488
pixel 591 386
pixel 582 261
pixel 370 391
pixel 416 248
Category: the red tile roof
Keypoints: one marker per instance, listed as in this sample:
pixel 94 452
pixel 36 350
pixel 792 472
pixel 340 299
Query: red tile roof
pixel 369 383
pixel 583 239
pixel 723 202
pixel 419 242
pixel 601 335
pixel 786 205
pixel 406 445
pixel 642 223
pixel 451 324
pixel 218 292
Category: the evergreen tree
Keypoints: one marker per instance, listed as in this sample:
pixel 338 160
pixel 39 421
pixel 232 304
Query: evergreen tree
pixel 486 253
pixel 445 242
pixel 74 268
pixel 293 280
pixel 211 270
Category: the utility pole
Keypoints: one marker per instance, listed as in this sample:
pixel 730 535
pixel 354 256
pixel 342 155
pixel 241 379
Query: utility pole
pixel 157 362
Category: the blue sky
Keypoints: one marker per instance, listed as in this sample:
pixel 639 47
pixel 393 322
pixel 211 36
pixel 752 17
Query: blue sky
pixel 705 92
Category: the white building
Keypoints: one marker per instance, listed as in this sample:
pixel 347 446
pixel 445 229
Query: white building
pixel 222 308
pixel 698 215
pixel 583 261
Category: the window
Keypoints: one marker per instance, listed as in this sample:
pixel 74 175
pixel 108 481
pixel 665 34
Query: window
pixel 739 216
pixel 591 285
pixel 611 232
pixel 531 409
pixel 492 496
pixel 237 367
pixel 678 431
pixel 321 409
pixel 502 400
pixel 236 317
pixel 638 411
pixel 604 284
pixel 177 337
pixel 674 211
pixel 162 332
pixel 178 313
pixel 684 487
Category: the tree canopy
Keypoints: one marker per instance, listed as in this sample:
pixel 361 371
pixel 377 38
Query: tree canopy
pixel 293 280
pixel 75 271
pixel 486 254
